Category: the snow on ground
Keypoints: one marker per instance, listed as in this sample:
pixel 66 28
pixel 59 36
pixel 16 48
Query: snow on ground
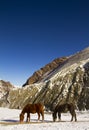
pixel 9 120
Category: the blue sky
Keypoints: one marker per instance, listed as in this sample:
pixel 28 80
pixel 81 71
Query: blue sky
pixel 35 32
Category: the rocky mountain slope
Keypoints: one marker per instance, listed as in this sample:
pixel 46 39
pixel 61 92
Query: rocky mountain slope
pixel 5 87
pixel 39 75
pixel 68 82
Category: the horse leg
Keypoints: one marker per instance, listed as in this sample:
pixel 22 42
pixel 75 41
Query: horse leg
pixel 73 115
pixel 28 117
pixel 38 116
pixel 59 116
pixel 54 116
pixel 42 114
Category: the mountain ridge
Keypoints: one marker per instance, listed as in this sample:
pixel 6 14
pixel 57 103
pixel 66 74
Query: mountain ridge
pixel 39 74
pixel 68 82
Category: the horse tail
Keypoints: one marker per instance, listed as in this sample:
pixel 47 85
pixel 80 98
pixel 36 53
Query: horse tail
pixel 42 107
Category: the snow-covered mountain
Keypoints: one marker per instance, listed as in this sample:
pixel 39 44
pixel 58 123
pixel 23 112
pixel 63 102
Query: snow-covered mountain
pixel 45 70
pixel 5 87
pixel 68 82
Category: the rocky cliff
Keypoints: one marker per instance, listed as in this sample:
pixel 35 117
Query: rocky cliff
pixel 40 74
pixel 5 87
pixel 69 82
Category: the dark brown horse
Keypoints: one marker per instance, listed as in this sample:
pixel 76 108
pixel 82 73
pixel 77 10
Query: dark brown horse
pixel 32 108
pixel 64 108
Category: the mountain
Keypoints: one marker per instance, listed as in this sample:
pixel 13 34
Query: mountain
pixel 67 82
pixel 40 74
pixel 5 87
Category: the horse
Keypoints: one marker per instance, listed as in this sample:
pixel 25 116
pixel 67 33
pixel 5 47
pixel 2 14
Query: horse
pixel 32 108
pixel 64 108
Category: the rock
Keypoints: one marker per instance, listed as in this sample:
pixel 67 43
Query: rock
pixel 39 75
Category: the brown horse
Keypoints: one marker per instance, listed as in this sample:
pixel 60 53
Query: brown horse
pixel 64 108
pixel 32 108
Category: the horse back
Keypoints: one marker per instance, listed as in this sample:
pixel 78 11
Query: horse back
pixel 33 108
pixel 65 107
pixel 71 107
pixel 39 107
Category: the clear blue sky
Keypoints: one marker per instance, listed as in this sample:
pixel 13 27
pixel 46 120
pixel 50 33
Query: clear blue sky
pixel 35 32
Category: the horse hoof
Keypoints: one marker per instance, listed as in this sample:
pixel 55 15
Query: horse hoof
pixel 21 122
